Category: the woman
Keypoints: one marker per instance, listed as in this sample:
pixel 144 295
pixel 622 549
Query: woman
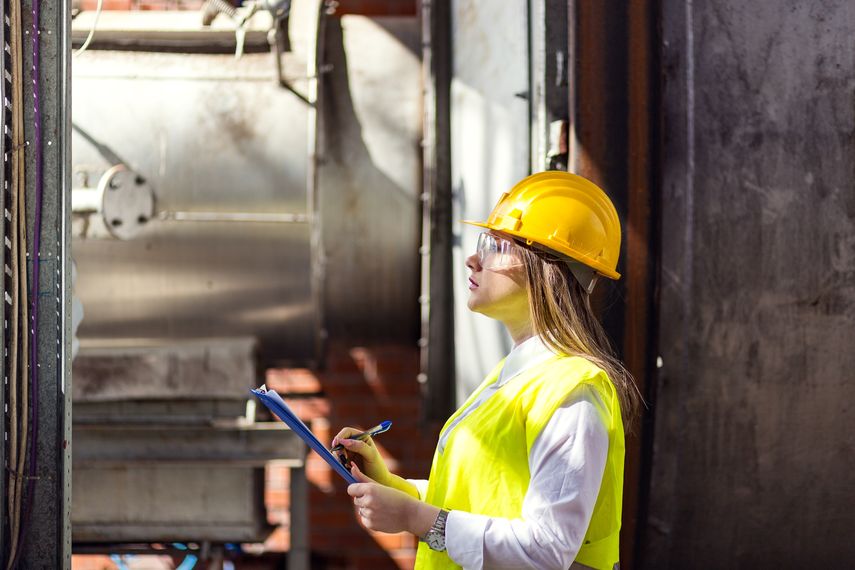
pixel 528 473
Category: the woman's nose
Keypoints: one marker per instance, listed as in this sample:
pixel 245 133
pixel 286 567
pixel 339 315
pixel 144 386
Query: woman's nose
pixel 472 263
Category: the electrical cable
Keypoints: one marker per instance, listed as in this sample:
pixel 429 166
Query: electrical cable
pixel 12 456
pixel 91 30
pixel 33 420
pixel 18 260
pixel 13 341
pixel 23 305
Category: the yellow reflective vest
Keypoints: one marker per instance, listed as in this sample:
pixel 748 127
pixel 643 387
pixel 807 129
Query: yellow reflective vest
pixel 484 466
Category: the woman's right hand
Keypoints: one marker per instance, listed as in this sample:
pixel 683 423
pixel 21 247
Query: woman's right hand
pixel 372 462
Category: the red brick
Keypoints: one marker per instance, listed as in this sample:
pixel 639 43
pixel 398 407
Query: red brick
pixel 278 541
pixel 361 386
pixel 91 562
pixel 275 499
pixel 390 541
pixel 108 4
pixel 277 477
pixel 337 520
pixel 309 409
pixel 292 381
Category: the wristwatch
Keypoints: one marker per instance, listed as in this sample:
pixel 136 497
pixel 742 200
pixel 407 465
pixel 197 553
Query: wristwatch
pixel 435 537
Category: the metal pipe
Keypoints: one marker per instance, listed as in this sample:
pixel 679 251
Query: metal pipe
pixel 287 218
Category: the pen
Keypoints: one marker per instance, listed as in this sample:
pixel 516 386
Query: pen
pixel 384 426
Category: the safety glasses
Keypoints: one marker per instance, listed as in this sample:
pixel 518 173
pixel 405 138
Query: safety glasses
pixel 495 252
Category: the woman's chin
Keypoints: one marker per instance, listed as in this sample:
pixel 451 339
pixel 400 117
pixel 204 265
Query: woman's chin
pixel 481 307
pixel 473 304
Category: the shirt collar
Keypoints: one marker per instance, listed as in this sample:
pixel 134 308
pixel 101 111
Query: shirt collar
pixel 528 353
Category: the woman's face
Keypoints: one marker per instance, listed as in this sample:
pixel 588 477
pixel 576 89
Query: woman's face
pixel 497 284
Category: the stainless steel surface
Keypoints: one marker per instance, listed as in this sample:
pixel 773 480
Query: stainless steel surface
pixel 216 369
pixel 168 29
pixel 232 443
pixel 165 446
pixel 178 482
pixel 204 130
pixel 369 178
pixel 228 154
pixel 233 217
pixel 154 503
pixel 227 141
pixel 186 280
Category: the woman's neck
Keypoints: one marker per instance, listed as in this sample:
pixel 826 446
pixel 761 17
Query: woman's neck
pixel 520 331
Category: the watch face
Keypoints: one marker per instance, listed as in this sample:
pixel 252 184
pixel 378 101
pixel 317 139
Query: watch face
pixel 436 541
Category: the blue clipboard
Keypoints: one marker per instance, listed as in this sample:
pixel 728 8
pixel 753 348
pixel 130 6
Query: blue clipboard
pixel 277 405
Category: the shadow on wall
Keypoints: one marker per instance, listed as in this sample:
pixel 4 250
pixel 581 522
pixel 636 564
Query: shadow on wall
pixel 369 176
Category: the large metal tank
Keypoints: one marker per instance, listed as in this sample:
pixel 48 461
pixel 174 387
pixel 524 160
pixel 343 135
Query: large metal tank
pixel 223 148
pixel 245 234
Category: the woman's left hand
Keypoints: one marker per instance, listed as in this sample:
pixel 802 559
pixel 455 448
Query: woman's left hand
pixel 389 510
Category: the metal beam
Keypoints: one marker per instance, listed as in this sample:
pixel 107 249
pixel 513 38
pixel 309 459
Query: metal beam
pixel 437 302
pixel 47 538
pixel 232 443
pixel 6 144
pixel 549 67
pixel 298 554
pixel 611 135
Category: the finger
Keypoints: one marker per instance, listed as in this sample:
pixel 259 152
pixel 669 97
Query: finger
pixel 360 476
pixel 357 489
pixel 356 446
pixel 344 433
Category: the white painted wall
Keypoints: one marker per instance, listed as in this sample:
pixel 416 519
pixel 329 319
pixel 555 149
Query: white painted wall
pixel 489 153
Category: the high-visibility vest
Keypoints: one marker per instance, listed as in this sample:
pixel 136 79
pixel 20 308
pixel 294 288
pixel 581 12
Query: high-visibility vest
pixel 484 468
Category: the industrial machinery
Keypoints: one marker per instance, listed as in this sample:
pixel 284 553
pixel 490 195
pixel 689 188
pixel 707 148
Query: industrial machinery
pixel 244 192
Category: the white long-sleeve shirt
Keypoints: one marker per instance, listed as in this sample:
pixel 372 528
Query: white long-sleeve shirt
pixel 566 463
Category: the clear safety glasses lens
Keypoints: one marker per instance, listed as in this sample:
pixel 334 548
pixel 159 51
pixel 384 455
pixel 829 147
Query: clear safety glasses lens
pixel 496 253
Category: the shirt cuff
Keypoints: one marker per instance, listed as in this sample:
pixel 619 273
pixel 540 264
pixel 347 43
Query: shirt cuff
pixel 464 538
pixel 421 486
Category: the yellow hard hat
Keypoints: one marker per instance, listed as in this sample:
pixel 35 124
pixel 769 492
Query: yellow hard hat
pixel 564 213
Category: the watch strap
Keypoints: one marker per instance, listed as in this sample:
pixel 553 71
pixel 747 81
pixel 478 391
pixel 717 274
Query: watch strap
pixel 435 536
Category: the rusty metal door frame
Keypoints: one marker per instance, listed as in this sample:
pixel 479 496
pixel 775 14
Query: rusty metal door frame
pixel 611 138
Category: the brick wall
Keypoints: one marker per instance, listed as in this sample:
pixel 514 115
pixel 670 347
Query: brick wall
pixel 360 387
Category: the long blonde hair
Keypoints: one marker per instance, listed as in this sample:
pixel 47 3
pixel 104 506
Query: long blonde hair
pixel 561 314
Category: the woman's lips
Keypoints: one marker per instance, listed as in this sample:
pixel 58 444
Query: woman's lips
pixel 472 284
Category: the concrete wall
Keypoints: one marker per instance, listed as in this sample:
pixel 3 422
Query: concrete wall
pixel 753 451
